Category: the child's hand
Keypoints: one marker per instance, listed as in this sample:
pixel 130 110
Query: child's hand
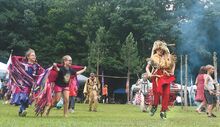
pixel 85 67
pixel 54 64
pixel 215 82
pixel 30 96
pixel 211 92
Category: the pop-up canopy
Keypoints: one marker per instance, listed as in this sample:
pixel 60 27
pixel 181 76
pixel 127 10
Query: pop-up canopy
pixel 3 69
pixel 82 79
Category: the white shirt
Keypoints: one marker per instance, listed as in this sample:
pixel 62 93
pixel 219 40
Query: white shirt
pixel 145 86
pixel 0 84
pixel 178 99
pixel 210 85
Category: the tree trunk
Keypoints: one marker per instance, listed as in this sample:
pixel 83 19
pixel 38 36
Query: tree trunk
pixel 127 86
pixel 97 69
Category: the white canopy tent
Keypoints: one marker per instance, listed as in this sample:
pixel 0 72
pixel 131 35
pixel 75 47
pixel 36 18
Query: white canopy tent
pixel 3 66
pixel 3 69
pixel 81 78
pixel 194 87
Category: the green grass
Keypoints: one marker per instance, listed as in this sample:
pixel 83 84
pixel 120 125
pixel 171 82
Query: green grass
pixel 108 115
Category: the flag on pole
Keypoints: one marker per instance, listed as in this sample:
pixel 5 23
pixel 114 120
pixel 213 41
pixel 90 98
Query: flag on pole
pixel 103 82
pixel 7 65
pixel 9 61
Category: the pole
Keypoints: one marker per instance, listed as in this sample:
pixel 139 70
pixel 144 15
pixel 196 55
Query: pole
pixel 181 79
pixel 190 92
pixel 186 82
pixel 216 78
pixel 127 87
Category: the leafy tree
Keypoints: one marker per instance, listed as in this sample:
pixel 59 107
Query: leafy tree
pixel 97 49
pixel 131 59
pixel 58 27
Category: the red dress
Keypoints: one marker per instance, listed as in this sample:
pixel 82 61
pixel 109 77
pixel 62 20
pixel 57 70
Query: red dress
pixel 73 86
pixel 161 87
pixel 163 80
pixel 200 88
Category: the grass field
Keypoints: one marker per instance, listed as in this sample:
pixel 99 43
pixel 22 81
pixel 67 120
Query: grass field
pixel 108 115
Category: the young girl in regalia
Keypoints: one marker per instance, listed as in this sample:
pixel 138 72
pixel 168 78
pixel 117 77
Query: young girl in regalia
pixel 24 73
pixel 62 76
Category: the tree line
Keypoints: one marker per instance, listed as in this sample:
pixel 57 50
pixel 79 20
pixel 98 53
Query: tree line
pixel 114 36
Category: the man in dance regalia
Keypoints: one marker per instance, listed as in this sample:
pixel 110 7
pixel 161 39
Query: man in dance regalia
pixel 162 75
pixel 92 88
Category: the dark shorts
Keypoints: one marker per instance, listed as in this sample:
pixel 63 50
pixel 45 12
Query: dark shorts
pixel 210 99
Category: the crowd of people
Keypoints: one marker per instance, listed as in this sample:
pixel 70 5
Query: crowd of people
pixel 162 65
pixel 53 87
pixel 29 82
pixel 4 92
pixel 206 92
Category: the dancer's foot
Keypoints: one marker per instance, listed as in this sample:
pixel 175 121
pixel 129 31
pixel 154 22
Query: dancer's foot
pixel 90 109
pixel 46 111
pixel 213 115
pixel 163 115
pixel 71 111
pixel 197 110
pixel 23 113
pixel 19 113
pixel 153 110
pixel 65 115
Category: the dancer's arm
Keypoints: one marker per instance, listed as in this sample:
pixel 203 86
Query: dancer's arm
pixel 148 69
pixel 85 91
pixel 173 69
pixel 81 71
pixel 56 67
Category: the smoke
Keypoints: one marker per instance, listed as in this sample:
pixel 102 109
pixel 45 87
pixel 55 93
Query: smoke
pixel 199 35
